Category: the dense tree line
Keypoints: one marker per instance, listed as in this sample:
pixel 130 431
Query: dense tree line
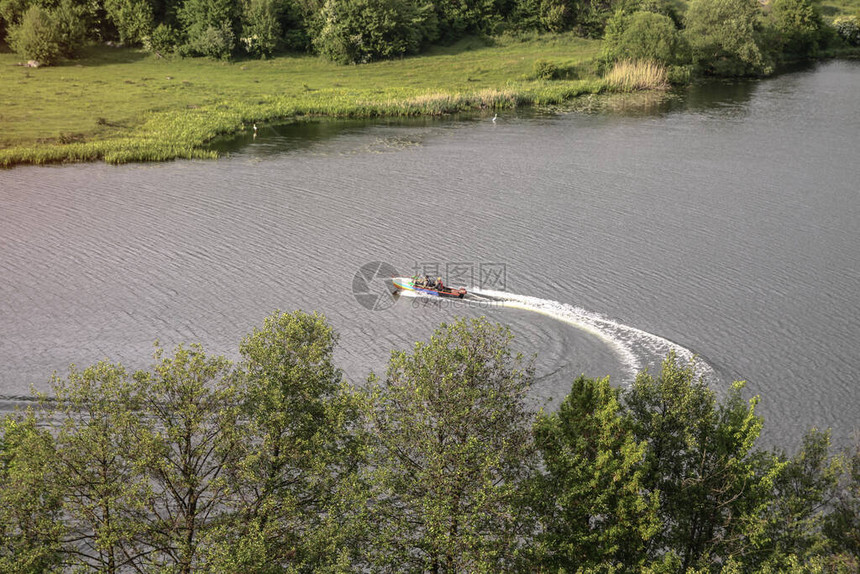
pixel 724 37
pixel 275 464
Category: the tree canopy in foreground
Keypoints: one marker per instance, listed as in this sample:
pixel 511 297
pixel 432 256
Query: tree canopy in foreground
pixel 276 464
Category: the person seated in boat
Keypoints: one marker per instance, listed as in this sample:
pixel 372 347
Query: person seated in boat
pixel 439 284
pixel 430 283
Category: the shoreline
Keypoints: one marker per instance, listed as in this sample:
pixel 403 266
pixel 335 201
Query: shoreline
pixel 187 134
pixel 124 105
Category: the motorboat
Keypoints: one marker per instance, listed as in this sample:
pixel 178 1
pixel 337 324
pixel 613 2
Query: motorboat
pixel 427 287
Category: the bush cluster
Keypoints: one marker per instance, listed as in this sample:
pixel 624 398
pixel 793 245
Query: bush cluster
pixel 721 37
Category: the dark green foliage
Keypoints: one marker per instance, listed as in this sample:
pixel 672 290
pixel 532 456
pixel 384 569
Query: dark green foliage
pixel 700 459
pixel 295 477
pixel 10 13
pixel 458 18
pixel 276 465
pixel 789 525
pixel 843 524
pixel 644 36
pixel 355 31
pixel 592 17
pixel 46 35
pixel 96 460
pixel 133 19
pixel 186 444
pixel 261 27
pixel 544 70
pixel 725 37
pixel 799 26
pixel 70 20
pixel 451 448
pixel 209 27
pixel 848 28
pixel 591 501
pixel 557 15
pixel 30 499
pixel 162 40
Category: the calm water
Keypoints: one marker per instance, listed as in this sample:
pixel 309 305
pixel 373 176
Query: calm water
pixel 726 221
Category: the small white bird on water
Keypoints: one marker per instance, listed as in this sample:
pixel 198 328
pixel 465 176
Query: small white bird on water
pixel 255 128
pixel 494 117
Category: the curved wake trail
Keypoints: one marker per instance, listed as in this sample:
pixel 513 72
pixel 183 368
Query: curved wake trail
pixel 636 348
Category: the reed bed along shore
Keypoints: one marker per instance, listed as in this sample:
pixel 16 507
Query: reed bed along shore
pixel 630 76
pixel 124 106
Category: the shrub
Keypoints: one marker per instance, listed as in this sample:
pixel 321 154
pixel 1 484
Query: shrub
pixel 11 13
pixel 556 15
pixel 644 36
pixel 36 37
pixel 261 29
pixel 162 40
pixel 214 41
pixel 209 27
pixel 357 31
pixel 458 18
pixel 725 37
pixel 848 28
pixel 133 19
pixel 70 21
pixel 543 70
pixel 798 24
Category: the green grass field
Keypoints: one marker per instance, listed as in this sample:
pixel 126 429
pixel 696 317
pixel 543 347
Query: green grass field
pixel 126 105
pixel 830 9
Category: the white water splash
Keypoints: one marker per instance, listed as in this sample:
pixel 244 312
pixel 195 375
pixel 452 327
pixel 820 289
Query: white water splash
pixel 636 348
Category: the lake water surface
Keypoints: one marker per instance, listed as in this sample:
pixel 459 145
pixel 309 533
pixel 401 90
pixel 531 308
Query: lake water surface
pixel 723 222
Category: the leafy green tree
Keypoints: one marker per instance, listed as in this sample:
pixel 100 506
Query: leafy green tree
pixel 557 15
pixel 261 26
pixel 133 19
pixel 35 37
pixel 592 17
pixel 643 36
pixel 451 450
pixel 163 39
pixel 843 522
pixel 590 498
pixel 799 26
pixel 48 34
pixel 356 31
pixel 789 526
pixel 188 442
pixel 725 37
pixel 70 21
pixel 848 28
pixel 297 468
pixel 11 12
pixel 97 411
pixel 700 459
pixel 459 18
pixel 209 27
pixel 30 498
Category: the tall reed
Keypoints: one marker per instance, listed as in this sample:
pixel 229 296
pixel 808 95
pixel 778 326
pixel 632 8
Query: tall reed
pixel 633 75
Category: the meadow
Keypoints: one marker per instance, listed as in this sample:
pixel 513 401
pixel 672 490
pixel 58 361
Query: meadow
pixel 121 105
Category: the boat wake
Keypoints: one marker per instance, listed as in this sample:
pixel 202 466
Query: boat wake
pixel 637 349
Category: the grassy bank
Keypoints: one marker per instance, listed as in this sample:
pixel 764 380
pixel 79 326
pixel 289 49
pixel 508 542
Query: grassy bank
pixel 122 105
